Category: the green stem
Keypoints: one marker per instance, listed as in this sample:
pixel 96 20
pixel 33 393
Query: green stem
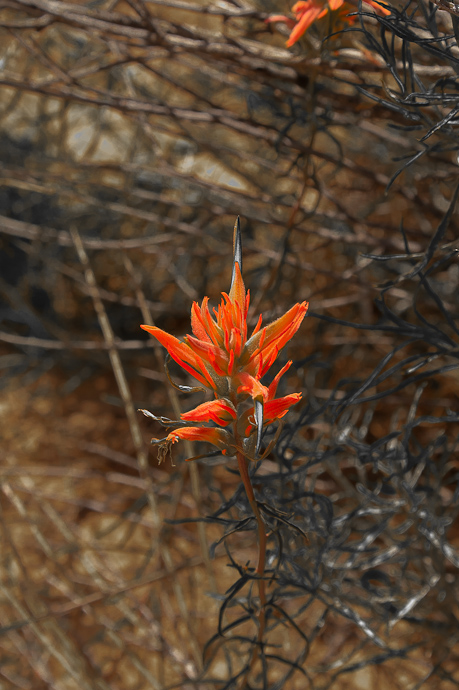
pixel 244 472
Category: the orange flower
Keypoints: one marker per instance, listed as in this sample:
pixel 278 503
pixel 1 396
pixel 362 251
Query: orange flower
pixel 221 357
pixel 307 12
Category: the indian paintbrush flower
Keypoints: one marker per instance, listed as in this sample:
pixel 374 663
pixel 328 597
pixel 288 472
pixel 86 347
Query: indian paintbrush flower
pixel 307 12
pixel 224 359
pixel 220 355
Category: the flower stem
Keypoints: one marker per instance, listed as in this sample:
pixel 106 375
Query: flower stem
pixel 244 472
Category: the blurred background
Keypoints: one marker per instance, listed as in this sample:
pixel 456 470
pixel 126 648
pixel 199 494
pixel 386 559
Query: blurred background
pixel 132 135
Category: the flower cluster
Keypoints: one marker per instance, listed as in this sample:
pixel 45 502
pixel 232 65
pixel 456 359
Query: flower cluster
pixel 307 12
pixel 222 357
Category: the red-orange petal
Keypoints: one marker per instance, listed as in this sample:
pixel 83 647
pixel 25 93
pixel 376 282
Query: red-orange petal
pixel 237 292
pixel 210 353
pixel 307 18
pixel 220 411
pixel 250 385
pixel 272 410
pixel 279 332
pixel 218 437
pixel 213 330
pixel 276 409
pixel 301 6
pixel 377 6
pixel 198 325
pixel 257 327
pixel 273 385
pixel 183 355
pixel 280 18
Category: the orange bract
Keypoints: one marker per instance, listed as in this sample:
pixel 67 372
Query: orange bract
pixel 218 437
pixel 222 412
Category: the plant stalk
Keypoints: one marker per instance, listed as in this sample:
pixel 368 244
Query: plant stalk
pixel 260 570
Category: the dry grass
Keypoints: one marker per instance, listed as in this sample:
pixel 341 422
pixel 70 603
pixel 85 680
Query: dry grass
pixel 132 134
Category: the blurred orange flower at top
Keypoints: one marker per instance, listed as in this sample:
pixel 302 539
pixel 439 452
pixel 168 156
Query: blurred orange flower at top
pixel 307 12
